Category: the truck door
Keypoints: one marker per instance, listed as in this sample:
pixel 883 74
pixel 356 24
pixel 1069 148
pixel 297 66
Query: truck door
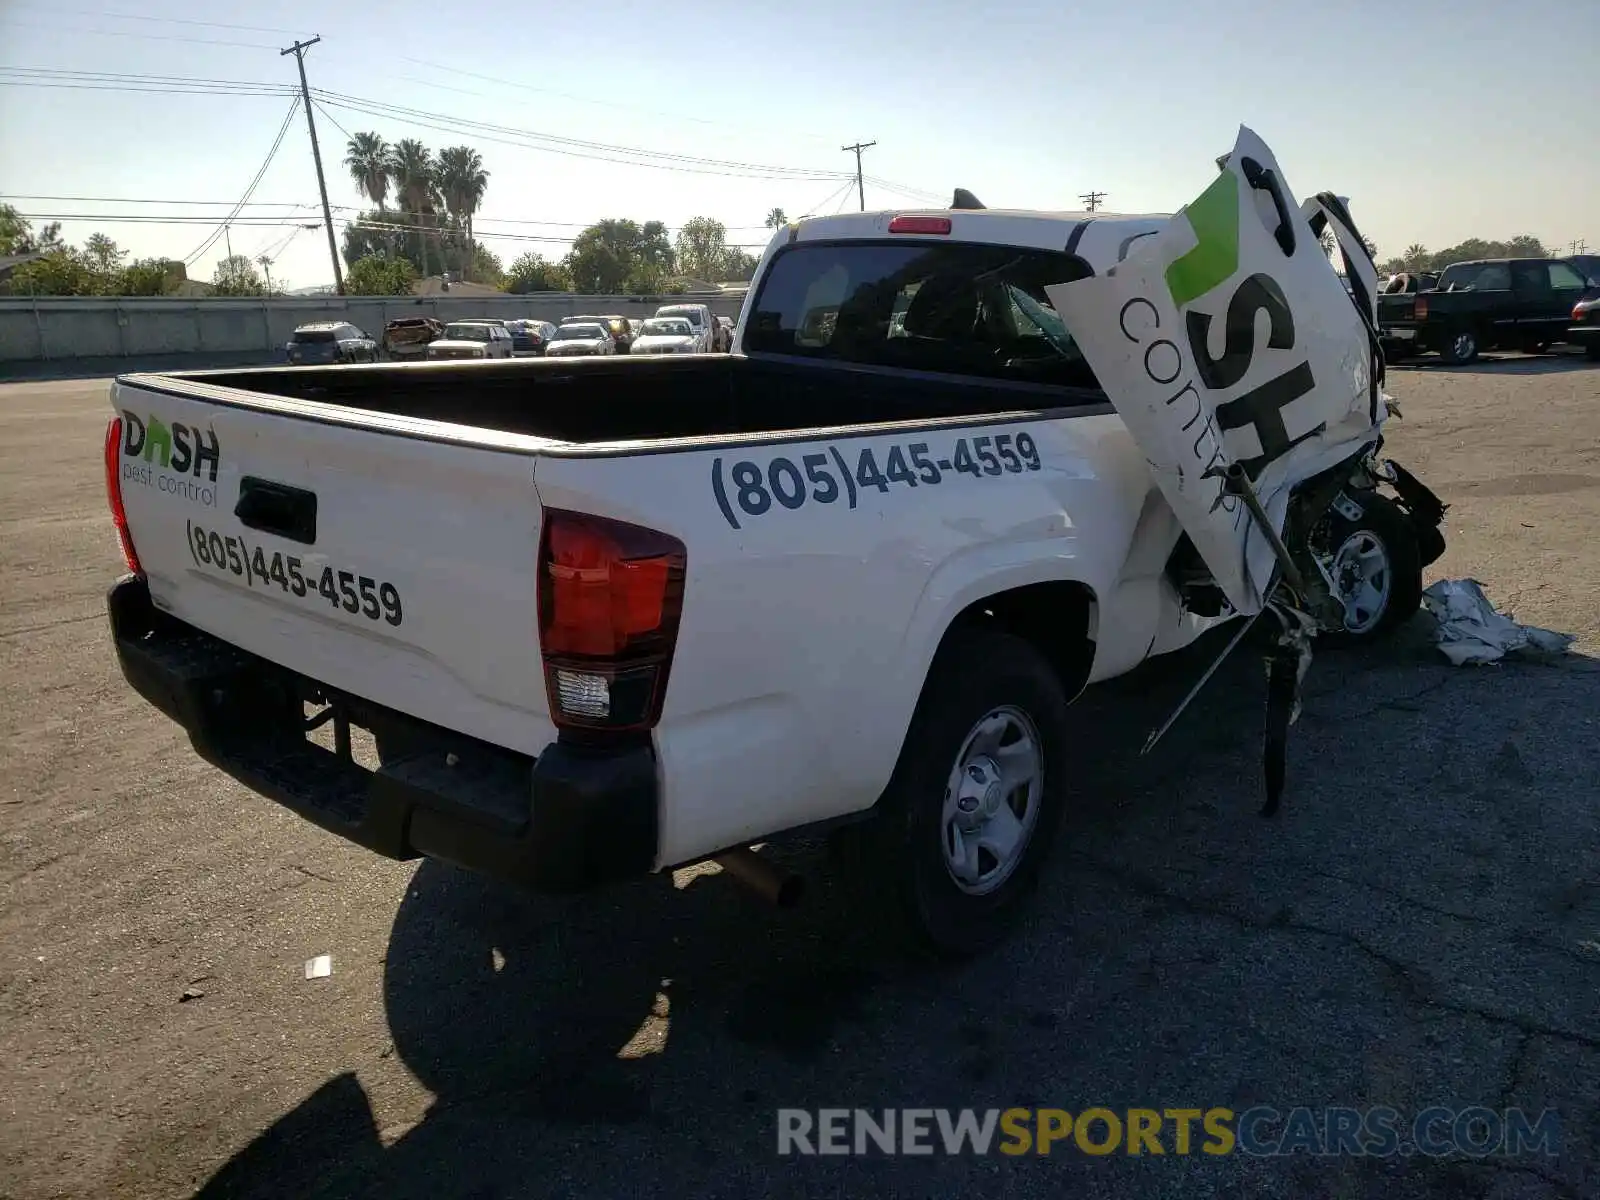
pixel 1532 302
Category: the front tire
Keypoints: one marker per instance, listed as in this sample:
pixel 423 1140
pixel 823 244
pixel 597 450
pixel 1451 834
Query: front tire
pixel 1376 566
pixel 977 796
pixel 1461 347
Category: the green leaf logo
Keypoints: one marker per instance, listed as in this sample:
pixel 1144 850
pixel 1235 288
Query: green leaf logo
pixel 1214 217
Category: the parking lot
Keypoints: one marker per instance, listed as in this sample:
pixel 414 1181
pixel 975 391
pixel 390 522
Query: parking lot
pixel 1421 924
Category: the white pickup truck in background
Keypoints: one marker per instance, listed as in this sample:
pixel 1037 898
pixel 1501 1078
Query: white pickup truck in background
pixel 607 617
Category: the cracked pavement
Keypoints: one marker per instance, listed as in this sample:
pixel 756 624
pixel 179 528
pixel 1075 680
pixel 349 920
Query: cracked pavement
pixel 1420 924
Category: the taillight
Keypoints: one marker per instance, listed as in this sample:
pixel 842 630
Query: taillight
pixel 920 225
pixel 610 596
pixel 1420 309
pixel 1580 310
pixel 119 514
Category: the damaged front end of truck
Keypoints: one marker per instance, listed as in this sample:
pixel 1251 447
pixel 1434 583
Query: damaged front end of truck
pixel 1252 379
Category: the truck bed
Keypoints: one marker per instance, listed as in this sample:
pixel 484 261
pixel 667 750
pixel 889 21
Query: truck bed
pixel 629 400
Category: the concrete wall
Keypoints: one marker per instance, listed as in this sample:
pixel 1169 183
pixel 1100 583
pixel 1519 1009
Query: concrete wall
pixel 72 327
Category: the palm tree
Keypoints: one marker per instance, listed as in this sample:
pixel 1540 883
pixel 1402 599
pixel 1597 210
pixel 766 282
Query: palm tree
pixel 462 183
pixel 367 157
pixel 412 171
pixel 1416 256
pixel 776 219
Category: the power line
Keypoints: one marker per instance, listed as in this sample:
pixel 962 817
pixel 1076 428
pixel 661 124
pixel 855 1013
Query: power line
pixel 78 12
pixel 265 217
pixel 861 190
pixel 655 112
pixel 348 135
pixel 572 147
pixel 151 37
pixel 1091 200
pixel 521 138
pixel 249 191
pixel 147 219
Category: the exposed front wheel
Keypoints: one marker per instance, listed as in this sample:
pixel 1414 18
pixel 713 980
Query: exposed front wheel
pixel 1374 565
pixel 976 797
pixel 1462 347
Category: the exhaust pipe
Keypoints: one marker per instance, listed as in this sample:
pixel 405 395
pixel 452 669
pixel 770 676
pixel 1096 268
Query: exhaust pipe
pixel 774 884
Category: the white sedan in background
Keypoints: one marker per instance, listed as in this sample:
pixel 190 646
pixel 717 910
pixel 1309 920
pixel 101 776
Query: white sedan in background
pixel 580 338
pixel 666 335
pixel 472 339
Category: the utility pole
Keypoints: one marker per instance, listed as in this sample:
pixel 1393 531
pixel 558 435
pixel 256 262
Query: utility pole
pixel 227 240
pixel 1579 245
pixel 1091 200
pixel 861 192
pixel 299 51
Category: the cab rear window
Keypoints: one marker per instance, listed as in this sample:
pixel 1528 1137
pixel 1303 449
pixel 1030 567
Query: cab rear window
pixel 949 308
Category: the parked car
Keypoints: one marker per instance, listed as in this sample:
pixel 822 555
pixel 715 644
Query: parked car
pixel 580 338
pixel 1493 304
pixel 697 315
pixel 1584 332
pixel 472 339
pixel 725 334
pixel 325 342
pixel 529 338
pixel 666 335
pixel 619 327
pixel 856 582
pixel 1395 302
pixel 407 337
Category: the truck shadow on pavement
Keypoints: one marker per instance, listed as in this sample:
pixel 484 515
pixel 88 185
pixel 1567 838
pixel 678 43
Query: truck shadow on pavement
pixel 640 1040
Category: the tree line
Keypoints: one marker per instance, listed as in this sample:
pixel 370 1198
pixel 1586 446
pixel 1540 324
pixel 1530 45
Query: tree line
pixel 429 227
pixel 1418 259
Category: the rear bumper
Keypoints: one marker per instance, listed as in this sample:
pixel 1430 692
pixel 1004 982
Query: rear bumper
pixel 1584 336
pixel 568 820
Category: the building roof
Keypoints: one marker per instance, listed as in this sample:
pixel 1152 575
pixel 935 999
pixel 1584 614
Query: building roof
pixel 11 262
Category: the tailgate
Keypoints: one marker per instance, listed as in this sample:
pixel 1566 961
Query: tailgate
pixel 395 568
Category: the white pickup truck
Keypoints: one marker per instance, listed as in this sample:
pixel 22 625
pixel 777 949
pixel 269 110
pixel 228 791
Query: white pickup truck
pixel 609 617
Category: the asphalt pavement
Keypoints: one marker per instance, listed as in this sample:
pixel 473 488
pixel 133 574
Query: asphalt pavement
pixel 1420 925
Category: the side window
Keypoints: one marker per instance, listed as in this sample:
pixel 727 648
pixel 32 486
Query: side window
pixel 1563 276
pixel 1495 277
pixel 1530 277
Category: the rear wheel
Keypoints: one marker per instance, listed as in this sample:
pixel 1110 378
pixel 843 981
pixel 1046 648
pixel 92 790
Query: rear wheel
pixel 1375 566
pixel 976 797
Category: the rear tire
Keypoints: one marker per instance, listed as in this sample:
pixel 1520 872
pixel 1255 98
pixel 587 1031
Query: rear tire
pixel 976 798
pixel 1376 565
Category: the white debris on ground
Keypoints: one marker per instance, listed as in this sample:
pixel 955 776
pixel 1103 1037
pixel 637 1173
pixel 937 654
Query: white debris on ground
pixel 319 967
pixel 1471 631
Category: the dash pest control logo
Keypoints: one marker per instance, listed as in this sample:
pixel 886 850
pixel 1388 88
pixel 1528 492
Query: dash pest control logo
pixel 176 459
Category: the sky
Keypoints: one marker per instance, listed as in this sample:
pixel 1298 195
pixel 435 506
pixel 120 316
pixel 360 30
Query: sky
pixel 1440 119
